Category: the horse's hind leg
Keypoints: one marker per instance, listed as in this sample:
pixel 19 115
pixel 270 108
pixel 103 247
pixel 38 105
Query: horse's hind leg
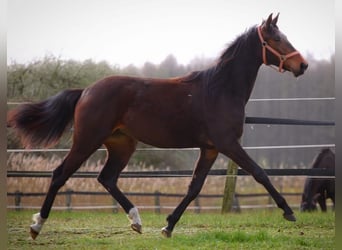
pixel 120 147
pixel 83 146
pixel 60 175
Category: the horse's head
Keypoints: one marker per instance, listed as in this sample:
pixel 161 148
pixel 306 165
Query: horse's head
pixel 308 206
pixel 277 50
pixel 309 203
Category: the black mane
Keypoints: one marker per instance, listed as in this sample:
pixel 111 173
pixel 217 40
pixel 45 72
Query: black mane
pixel 234 47
pixel 212 76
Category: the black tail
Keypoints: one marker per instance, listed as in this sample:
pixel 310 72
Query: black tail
pixel 43 123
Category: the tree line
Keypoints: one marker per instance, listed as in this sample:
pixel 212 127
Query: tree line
pixel 45 77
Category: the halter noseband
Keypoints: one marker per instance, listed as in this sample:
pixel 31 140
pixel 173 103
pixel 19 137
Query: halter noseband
pixel 282 58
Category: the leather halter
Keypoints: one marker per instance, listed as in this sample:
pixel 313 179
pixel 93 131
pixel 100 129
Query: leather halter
pixel 282 58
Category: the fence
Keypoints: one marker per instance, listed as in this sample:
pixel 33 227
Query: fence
pixel 312 173
pixel 157 207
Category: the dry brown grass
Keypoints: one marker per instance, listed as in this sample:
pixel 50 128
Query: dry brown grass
pixel 213 184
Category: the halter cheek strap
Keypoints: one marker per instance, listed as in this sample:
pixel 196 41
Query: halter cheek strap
pixel 282 58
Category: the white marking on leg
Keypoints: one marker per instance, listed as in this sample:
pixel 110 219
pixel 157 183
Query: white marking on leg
pixel 38 222
pixel 133 216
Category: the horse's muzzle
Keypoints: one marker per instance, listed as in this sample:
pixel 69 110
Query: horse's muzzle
pixel 302 68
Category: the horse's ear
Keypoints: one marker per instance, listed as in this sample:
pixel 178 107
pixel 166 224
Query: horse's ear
pixel 268 21
pixel 275 20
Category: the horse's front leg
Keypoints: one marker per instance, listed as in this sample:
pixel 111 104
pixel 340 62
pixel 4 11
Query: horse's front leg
pixel 321 199
pixel 205 161
pixel 234 151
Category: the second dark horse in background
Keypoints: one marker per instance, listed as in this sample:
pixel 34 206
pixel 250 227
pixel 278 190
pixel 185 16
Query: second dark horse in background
pixel 205 109
pixel 319 190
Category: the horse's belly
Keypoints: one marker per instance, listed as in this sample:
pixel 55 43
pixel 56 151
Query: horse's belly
pixel 161 135
pixel 172 131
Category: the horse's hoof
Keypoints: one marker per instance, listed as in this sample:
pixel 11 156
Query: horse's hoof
pixel 33 233
pixel 166 233
pixel 137 227
pixel 290 217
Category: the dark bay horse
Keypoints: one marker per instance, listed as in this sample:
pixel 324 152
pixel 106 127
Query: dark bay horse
pixel 205 109
pixel 318 190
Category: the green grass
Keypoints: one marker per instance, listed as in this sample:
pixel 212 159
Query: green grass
pixel 104 230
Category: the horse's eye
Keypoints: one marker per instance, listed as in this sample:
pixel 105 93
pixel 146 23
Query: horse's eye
pixel 277 39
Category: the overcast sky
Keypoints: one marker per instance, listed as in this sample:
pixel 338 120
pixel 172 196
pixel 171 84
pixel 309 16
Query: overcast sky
pixel 133 31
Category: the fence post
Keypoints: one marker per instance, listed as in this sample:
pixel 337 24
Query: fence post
pixel 197 205
pixel 17 200
pixel 115 206
pixel 68 194
pixel 157 202
pixel 229 188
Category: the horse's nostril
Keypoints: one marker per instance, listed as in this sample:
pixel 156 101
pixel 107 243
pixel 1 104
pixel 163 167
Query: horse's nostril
pixel 304 66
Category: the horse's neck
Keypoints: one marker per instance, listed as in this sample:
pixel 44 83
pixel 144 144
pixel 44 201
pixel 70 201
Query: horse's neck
pixel 242 77
pixel 235 76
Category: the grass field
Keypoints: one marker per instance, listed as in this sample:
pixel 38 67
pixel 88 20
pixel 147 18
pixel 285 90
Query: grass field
pixel 264 229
